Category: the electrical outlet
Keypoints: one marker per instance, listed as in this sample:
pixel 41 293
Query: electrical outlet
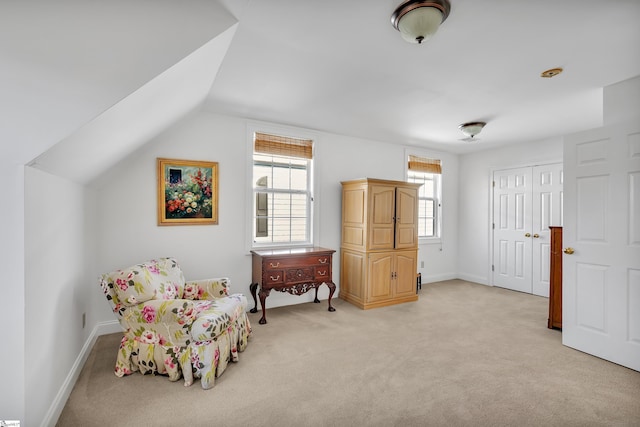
pixel 421 264
pixel 84 320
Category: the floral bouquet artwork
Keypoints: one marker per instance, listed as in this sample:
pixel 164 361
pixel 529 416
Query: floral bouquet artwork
pixel 187 192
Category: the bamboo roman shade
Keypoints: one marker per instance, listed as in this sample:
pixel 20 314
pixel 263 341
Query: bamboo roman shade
pixel 283 146
pixel 424 164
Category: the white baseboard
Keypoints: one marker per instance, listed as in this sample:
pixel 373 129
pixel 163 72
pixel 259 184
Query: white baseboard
pixel 437 277
pixel 474 279
pixel 102 328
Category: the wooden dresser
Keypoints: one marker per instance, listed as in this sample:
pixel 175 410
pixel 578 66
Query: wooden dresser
pixel 295 271
pixel 555 280
pixel 379 253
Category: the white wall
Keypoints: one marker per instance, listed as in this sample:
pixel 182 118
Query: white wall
pixel 127 213
pixel 12 303
pixel 57 285
pixel 474 232
pixel 622 101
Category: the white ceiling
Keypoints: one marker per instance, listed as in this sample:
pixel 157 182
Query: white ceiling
pixel 340 66
pixel 85 82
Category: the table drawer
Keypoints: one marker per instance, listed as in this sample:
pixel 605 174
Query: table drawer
pixel 323 273
pixel 278 263
pixel 273 277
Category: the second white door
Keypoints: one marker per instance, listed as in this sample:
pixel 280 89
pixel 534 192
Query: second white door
pixel 526 201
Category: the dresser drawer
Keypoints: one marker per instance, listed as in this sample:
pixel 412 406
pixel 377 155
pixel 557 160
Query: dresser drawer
pixel 279 263
pixel 273 277
pixel 322 273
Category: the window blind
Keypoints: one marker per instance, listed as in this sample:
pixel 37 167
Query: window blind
pixel 283 146
pixel 424 164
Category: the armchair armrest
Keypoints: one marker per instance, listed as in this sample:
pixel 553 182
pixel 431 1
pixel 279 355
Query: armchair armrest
pixel 207 289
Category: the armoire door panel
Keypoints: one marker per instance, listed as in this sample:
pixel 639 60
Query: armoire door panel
pixel 380 269
pixel 352 274
pixel 406 218
pixel 381 216
pixel 405 269
pixel 353 206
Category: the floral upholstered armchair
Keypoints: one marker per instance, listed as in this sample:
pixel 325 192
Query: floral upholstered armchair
pixel 175 328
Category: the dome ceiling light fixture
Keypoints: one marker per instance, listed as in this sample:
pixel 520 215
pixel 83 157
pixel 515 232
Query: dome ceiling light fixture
pixel 471 129
pixel 418 20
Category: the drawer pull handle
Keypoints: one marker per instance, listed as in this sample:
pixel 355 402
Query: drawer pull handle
pixel 322 273
pixel 275 278
pixel 322 261
pixel 274 265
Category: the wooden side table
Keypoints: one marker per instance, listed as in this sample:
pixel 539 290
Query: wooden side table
pixel 295 271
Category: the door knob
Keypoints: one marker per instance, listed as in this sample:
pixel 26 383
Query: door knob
pixel 535 236
pixel 568 251
pixel 527 235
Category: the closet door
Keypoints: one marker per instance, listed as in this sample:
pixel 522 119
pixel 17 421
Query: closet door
pixel 547 211
pixel 512 241
pixel 526 201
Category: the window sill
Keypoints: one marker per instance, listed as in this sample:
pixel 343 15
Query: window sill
pixel 429 241
pixel 282 246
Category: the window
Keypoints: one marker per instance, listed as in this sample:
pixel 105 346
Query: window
pixel 427 172
pixel 282 190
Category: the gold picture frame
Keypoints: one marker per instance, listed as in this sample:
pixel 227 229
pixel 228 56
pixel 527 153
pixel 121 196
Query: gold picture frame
pixel 187 192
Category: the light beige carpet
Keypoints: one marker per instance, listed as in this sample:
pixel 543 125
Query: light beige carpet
pixel 463 355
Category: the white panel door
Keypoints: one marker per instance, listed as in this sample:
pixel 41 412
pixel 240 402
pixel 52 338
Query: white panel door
pixel 512 229
pixel 526 201
pixel 547 211
pixel 601 278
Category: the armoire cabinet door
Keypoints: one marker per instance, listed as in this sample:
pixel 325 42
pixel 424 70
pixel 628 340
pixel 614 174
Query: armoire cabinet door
pixel 381 216
pixel 406 220
pixel 380 269
pixel 405 277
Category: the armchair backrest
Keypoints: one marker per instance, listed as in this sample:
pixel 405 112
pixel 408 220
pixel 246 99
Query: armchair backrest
pixel 155 279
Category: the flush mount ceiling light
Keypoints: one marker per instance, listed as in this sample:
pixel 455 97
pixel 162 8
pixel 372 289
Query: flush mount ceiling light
pixel 471 129
pixel 551 73
pixel 418 20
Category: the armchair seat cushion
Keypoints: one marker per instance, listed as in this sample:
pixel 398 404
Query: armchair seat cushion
pixel 222 313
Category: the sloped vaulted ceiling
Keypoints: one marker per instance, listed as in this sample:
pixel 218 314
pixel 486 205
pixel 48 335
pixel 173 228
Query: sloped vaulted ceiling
pixel 84 82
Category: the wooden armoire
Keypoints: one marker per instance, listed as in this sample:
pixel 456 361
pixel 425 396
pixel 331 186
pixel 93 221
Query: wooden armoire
pixel 379 245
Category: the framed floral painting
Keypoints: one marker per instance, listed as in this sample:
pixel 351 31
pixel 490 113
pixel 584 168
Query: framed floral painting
pixel 187 192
